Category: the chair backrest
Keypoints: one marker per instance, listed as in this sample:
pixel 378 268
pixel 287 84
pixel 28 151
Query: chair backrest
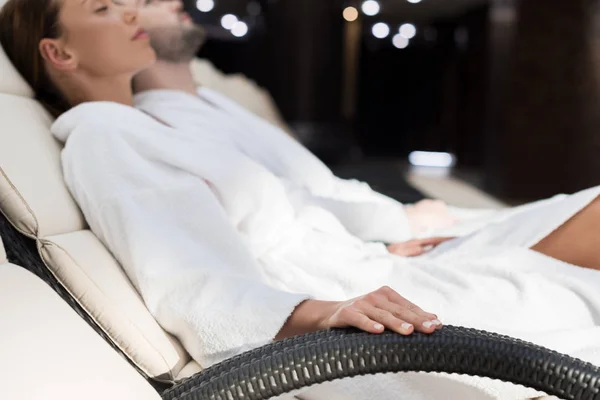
pixel 49 353
pixel 33 197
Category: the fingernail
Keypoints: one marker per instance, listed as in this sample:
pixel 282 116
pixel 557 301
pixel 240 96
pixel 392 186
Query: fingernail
pixel 427 324
pixel 378 327
pixel 406 326
pixel 437 322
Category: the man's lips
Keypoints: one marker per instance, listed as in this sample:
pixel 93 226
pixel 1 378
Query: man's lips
pixel 185 17
pixel 140 34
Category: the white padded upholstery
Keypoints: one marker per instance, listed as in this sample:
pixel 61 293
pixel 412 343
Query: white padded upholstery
pixel 50 353
pixel 32 192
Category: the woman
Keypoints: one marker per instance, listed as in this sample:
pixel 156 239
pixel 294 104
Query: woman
pixel 223 256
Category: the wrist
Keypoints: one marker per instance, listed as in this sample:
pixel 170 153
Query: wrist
pixel 308 316
pixel 313 315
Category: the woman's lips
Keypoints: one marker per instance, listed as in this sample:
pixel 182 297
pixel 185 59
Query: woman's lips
pixel 140 34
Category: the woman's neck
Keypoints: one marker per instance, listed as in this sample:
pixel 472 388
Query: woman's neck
pixel 83 89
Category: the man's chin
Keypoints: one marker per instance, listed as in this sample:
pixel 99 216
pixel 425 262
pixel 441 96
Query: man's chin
pixel 178 43
pixel 188 24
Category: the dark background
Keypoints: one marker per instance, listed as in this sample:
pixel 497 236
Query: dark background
pixel 510 87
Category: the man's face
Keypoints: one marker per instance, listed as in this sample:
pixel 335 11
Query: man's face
pixel 173 34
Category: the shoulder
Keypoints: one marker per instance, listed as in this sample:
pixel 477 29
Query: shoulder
pixel 96 121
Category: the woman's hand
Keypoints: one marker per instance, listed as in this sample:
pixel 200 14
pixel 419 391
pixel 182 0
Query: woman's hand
pixel 427 215
pixel 373 313
pixel 414 248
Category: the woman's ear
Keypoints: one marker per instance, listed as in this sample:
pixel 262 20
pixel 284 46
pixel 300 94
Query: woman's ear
pixel 55 53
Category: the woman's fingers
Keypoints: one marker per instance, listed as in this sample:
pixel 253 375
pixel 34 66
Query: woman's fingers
pixel 389 320
pixel 381 309
pixel 422 321
pixel 357 318
pixel 427 322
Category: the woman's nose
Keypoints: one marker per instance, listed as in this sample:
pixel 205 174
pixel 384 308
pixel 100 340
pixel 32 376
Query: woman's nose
pixel 130 15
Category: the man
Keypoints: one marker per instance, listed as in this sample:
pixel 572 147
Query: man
pixel 168 91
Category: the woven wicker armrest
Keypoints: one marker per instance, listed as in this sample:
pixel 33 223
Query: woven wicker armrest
pixel 306 360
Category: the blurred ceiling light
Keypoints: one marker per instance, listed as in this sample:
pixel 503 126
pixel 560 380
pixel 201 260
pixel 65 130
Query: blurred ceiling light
pixel 409 31
pixel 414 1
pixel 381 30
pixel 205 5
pixel 350 14
pixel 240 29
pixel 371 7
pixel 431 159
pixel 228 21
pixel 400 41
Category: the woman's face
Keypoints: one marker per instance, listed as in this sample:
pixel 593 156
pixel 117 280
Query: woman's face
pixel 103 37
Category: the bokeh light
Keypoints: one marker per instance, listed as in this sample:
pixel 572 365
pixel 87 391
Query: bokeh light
pixel 371 7
pixel 350 14
pixel 381 30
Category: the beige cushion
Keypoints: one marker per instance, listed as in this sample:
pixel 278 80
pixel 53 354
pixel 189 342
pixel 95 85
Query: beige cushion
pixel 84 266
pixel 240 89
pixel 190 369
pixel 50 353
pixel 31 162
pixel 35 200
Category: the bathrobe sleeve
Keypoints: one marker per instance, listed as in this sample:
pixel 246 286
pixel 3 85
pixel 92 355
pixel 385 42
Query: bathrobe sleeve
pixel 364 212
pixel 194 273
pixel 177 245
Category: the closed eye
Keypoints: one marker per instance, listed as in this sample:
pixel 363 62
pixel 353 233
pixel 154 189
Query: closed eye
pixel 101 10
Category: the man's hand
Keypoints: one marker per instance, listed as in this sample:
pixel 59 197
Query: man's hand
pixel 427 215
pixel 414 248
pixel 373 313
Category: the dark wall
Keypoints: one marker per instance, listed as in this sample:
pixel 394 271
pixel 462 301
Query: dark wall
pixel 296 53
pixel 547 138
pixel 430 96
pixel 519 96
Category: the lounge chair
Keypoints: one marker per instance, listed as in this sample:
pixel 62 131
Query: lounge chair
pixel 44 231
pixel 48 352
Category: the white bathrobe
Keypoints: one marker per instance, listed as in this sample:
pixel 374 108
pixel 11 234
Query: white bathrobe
pixel 222 250
pixel 365 213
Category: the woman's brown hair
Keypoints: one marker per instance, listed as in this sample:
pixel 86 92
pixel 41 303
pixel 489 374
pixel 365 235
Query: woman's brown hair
pixel 23 24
